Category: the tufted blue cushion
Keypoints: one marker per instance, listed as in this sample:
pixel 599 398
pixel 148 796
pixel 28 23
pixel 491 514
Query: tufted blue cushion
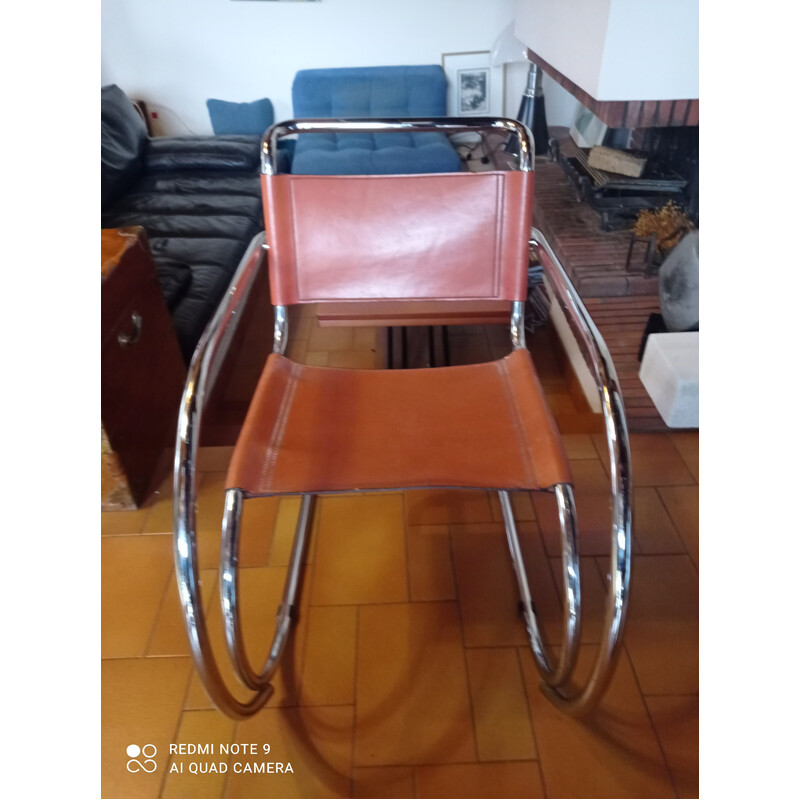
pixel 418 91
pixel 405 91
pixel 247 118
pixel 373 154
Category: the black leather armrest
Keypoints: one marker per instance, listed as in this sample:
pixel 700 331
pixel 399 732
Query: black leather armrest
pixel 175 153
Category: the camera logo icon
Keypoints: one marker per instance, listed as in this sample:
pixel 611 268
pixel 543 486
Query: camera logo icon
pixel 147 752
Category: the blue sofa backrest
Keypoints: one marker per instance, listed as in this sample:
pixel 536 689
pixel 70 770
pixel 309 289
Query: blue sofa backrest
pixel 414 91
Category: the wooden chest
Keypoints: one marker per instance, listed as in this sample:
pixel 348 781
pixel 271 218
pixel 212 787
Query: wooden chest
pixel 142 372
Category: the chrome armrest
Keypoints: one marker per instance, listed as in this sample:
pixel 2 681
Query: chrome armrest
pixel 202 373
pixel 598 359
pixel 269 142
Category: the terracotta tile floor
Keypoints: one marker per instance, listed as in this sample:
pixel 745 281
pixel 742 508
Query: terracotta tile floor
pixel 408 675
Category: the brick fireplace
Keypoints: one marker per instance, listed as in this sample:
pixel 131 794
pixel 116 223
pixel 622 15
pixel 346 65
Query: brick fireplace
pixel 577 44
pixel 631 114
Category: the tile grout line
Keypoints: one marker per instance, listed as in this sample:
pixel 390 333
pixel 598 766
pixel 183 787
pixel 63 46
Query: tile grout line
pixel 273 538
pixel 147 516
pixel 685 460
pixel 672 780
pixel 355 708
pixel 136 535
pixel 233 737
pixel 530 717
pixel 678 527
pixel 464 649
pixel 541 777
pixel 643 696
pixel 406 547
pixel 308 572
pixel 161 603
pixel 177 727
pixel 663 506
pixel 470 694
pixel 554 584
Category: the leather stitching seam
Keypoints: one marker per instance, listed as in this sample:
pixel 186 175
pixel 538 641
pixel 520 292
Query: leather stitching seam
pixel 271 456
pixel 519 429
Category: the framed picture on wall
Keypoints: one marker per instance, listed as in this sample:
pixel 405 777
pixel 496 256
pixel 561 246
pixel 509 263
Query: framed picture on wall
pixel 472 91
pixel 474 87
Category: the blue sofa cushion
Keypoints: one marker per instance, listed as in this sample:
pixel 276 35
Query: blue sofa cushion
pixel 403 91
pixel 373 154
pixel 245 118
pixel 416 91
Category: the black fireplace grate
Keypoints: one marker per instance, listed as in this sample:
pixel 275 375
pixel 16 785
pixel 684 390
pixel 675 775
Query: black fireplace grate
pixel 619 198
pixel 655 178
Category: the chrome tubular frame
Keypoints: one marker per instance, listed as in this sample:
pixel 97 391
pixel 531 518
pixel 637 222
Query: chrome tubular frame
pixel 518 325
pixel 269 142
pixel 204 364
pixel 229 588
pixel 558 676
pixel 280 335
pixel 598 359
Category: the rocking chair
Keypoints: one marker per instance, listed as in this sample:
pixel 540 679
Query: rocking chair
pixel 449 238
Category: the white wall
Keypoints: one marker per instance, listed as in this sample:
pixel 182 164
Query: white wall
pixel 663 38
pixel 617 49
pixel 568 34
pixel 174 54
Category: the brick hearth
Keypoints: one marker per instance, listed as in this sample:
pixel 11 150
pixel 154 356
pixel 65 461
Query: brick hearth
pixel 619 300
pixel 594 259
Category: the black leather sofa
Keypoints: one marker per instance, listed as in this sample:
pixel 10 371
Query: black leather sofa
pixel 198 198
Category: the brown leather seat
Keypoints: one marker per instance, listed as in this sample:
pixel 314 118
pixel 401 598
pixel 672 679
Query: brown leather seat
pixel 317 429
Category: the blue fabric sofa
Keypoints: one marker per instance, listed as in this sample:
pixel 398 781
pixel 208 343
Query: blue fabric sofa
pixel 396 92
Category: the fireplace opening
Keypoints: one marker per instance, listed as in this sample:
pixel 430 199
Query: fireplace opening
pixel 671 173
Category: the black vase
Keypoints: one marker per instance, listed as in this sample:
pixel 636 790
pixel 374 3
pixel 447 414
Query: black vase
pixel 531 114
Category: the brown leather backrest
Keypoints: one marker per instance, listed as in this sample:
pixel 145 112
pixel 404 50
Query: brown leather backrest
pixel 452 236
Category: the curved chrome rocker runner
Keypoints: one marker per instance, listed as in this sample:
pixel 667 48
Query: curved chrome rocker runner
pixel 202 372
pixel 597 357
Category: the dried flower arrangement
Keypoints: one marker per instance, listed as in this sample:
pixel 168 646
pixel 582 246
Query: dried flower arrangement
pixel 669 224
